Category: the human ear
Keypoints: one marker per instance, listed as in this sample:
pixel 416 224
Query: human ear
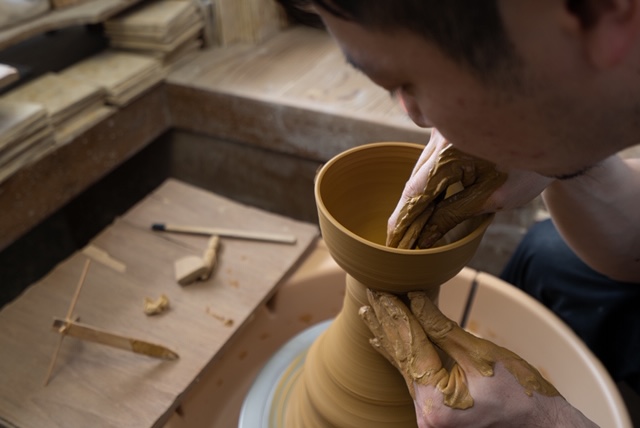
pixel 609 29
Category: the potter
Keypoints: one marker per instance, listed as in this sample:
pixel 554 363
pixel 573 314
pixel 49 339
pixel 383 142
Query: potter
pixel 547 91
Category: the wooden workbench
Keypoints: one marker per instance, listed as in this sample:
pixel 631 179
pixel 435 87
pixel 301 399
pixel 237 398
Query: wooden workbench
pixel 94 385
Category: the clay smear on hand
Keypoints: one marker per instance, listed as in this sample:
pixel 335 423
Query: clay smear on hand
pixel 408 339
pixel 428 216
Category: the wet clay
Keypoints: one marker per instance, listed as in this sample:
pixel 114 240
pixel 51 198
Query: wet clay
pixel 408 343
pixel 345 382
pixel 426 217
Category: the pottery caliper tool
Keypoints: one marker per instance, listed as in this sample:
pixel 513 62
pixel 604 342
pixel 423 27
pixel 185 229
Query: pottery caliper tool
pixel 70 327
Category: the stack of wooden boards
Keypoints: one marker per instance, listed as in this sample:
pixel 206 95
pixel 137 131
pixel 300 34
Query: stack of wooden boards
pixel 168 30
pixel 54 108
pixel 123 75
pixel 25 135
pixel 72 105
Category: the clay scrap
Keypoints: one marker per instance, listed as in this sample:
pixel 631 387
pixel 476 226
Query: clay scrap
pixel 156 306
pixel 192 268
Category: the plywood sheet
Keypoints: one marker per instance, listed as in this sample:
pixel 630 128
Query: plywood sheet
pixel 93 385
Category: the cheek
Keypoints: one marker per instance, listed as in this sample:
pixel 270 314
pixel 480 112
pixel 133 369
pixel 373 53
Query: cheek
pixel 479 135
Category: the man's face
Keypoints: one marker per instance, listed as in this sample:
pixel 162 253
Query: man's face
pixel 538 126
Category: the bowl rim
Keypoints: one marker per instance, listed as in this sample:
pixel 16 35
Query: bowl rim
pixel 479 230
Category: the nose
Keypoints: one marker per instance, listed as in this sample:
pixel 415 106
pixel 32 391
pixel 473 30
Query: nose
pixel 411 107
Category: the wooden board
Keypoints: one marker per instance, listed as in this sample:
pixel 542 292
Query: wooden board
pixel 157 20
pixel 169 45
pixel 90 12
pixel 62 96
pixel 82 122
pixel 93 385
pixel 18 120
pixel 292 68
pixel 119 73
pixel 294 93
pixel 8 75
pixel 15 12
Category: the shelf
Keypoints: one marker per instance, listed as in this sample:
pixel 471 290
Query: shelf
pixel 39 189
pixel 92 12
pixel 293 95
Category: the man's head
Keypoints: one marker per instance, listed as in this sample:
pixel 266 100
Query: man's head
pixel 473 36
pixel 546 85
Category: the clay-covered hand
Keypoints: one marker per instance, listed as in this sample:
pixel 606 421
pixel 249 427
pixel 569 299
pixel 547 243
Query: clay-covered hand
pixel 426 211
pixel 479 384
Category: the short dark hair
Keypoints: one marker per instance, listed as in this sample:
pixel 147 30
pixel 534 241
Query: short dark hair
pixel 469 32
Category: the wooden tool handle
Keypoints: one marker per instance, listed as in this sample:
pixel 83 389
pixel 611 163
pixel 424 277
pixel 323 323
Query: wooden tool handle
pixel 92 334
pixel 227 233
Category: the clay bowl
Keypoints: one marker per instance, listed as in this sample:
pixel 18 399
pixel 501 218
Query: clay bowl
pixel 356 192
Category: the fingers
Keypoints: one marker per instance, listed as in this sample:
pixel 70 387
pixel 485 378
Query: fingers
pixel 379 341
pixel 472 354
pixel 436 143
pixel 403 215
pixel 425 218
pixel 448 214
pixel 401 336
pixel 420 197
pixel 414 231
pixel 414 215
pixel 467 350
pixel 409 349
